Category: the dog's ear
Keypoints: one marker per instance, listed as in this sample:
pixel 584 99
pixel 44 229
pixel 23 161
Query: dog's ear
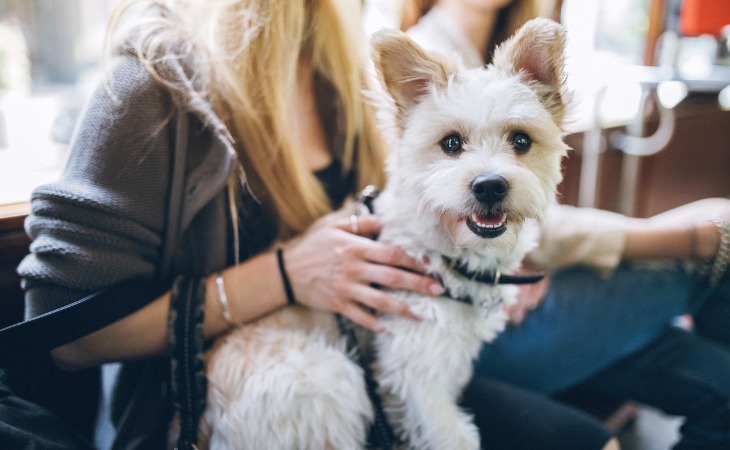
pixel 537 52
pixel 406 69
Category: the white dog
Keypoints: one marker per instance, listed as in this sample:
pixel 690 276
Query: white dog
pixel 476 164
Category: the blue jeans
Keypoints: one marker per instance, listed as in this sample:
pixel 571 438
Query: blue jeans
pixel 613 337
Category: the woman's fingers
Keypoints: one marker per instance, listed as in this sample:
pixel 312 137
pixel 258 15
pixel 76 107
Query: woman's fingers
pixel 377 300
pixel 362 225
pixel 358 315
pixel 381 301
pixel 388 267
pixel 389 261
pixel 393 256
pixel 337 266
pixel 396 278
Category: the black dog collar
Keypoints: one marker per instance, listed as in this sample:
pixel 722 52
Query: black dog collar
pixel 492 278
pixel 495 277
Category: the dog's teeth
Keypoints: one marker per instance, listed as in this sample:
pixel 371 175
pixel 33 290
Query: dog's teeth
pixel 481 224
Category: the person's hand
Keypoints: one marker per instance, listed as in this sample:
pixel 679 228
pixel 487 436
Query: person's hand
pixel 335 265
pixel 530 296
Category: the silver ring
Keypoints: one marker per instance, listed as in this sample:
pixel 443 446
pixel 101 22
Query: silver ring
pixel 354 223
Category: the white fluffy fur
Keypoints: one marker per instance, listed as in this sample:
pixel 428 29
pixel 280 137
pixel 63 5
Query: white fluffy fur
pixel 285 381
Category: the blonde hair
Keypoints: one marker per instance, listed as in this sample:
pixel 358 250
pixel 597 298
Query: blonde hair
pixel 241 56
pixel 510 18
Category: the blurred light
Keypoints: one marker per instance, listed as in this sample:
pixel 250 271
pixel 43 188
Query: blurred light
pixel 696 57
pixel 724 98
pixel 670 93
pixel 620 102
pixel 696 67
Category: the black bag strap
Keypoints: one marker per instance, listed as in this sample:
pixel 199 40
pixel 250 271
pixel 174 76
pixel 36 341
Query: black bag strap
pixel 187 366
pixel 187 370
pixel 24 340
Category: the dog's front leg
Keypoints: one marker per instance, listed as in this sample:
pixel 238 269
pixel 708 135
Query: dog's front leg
pixel 422 369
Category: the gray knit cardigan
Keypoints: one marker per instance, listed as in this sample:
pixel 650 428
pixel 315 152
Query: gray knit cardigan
pixel 103 221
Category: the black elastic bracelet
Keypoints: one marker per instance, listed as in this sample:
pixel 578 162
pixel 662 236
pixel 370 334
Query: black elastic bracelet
pixel 282 270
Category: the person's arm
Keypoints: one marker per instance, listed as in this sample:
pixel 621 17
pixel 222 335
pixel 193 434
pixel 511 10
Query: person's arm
pixel 602 239
pixel 103 223
pixel 329 267
pixel 683 232
pixel 145 334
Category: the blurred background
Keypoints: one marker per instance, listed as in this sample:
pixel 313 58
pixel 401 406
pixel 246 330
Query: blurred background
pixel 649 127
pixel 49 54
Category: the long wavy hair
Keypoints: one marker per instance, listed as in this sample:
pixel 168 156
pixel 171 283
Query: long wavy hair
pixel 509 19
pixel 241 57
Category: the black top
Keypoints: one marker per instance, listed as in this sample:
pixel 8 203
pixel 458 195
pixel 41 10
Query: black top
pixel 257 224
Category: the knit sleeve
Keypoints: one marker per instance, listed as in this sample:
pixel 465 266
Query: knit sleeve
pixel 585 236
pixel 102 221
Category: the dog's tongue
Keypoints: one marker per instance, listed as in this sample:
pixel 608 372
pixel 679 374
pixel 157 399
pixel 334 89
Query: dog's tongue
pixel 488 221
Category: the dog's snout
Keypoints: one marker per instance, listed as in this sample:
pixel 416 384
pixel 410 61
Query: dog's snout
pixel 489 188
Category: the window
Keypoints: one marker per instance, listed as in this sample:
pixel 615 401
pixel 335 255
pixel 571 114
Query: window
pixel 49 50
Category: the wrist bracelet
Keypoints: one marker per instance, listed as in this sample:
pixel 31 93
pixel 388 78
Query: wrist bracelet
pixel 223 300
pixel 290 300
pixel 719 264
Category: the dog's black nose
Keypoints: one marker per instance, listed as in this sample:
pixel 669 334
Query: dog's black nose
pixel 489 188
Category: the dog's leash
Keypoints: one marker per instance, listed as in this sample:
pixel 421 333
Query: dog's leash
pixel 381 433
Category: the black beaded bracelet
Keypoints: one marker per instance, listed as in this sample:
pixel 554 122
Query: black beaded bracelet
pixel 284 278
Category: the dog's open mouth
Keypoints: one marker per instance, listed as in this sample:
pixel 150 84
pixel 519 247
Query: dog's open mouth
pixel 487 226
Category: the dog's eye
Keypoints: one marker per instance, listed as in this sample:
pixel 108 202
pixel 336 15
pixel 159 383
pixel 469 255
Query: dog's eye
pixel 521 142
pixel 451 144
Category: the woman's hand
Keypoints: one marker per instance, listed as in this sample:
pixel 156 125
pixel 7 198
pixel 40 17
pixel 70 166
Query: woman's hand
pixel 333 268
pixel 530 296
